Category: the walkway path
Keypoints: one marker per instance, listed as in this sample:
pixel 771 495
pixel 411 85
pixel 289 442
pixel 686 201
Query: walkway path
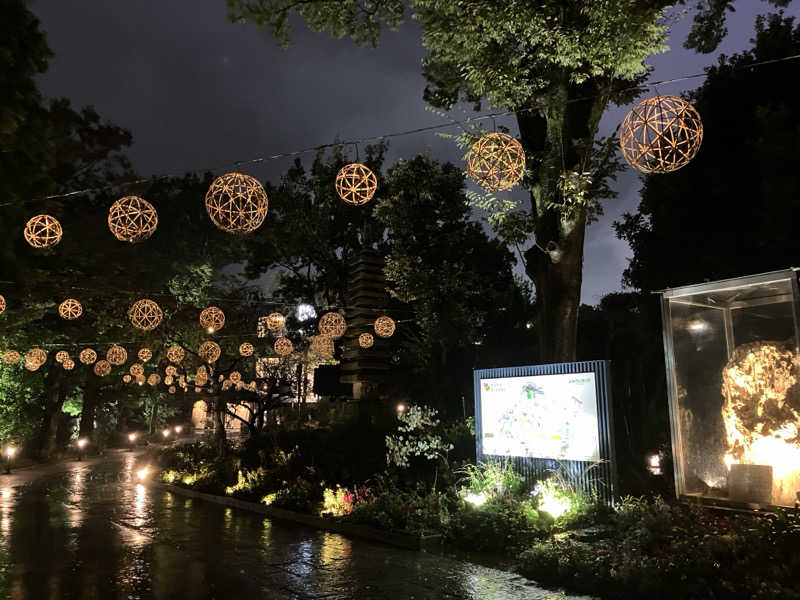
pixel 89 530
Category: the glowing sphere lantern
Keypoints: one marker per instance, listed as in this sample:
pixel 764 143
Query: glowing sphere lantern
pixel 356 184
pixel 43 231
pixel 145 314
pixel 236 203
pixel 661 134
pixel 132 219
pixel 496 162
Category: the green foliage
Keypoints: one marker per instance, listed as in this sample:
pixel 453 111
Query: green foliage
pixel 491 479
pixel 652 549
pixel 417 436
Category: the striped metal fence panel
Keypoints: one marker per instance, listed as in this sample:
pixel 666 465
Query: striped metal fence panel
pixel 592 478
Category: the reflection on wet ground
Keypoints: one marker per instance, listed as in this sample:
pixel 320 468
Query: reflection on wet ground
pixel 93 531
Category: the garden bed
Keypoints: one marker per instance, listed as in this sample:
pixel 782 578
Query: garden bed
pixel 397 539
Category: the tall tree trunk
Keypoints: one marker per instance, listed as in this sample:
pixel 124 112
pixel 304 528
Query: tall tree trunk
pixel 219 424
pixel 556 139
pixel 55 395
pixel 153 417
pixel 91 391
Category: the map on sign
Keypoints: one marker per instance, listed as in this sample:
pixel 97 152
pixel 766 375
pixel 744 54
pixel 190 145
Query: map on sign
pixel 541 416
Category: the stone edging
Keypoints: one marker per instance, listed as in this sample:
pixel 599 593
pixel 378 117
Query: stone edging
pixel 401 540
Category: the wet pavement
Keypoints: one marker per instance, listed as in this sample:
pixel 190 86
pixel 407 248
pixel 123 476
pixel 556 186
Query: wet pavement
pixel 89 530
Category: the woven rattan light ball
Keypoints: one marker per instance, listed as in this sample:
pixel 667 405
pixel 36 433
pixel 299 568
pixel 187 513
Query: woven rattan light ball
pixel 68 364
pixel 332 325
pixel 2 304
pixel 35 358
pixel 117 355
pixel 61 356
pixel 235 376
pixel 136 369
pixel 275 321
pixel 70 309
pixel 102 368
pixel 126 378
pixel 212 318
pixel 356 183
pixel 170 370
pixel 140 379
pixel 11 357
pixel 322 346
pixel 209 351
pixel 171 389
pixel 145 354
pixel 87 356
pixel 43 231
pixel 661 134
pixel 145 314
pixel 496 162
pixel 175 354
pixel 154 379
pixel 246 349
pixel 365 340
pixel 283 346
pixel 384 326
pixel 236 203
pixel 132 219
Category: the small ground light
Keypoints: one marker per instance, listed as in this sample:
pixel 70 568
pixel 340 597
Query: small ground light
pixel 401 407
pixel 178 429
pixel 142 473
pixel 654 464
pixel 165 433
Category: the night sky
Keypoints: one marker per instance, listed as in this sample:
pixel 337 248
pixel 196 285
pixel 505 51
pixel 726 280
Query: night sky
pixel 198 92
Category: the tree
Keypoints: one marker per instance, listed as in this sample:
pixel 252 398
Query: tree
pixel 732 210
pixel 556 65
pixel 456 281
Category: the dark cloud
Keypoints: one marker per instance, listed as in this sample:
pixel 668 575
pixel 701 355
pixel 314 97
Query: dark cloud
pixel 200 92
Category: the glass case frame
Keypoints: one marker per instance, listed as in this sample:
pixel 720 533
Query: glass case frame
pixel 724 298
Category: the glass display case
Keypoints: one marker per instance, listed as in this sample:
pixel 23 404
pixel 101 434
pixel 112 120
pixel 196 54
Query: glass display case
pixel 733 377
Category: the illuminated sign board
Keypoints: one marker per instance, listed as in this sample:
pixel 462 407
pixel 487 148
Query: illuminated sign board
pixel 541 416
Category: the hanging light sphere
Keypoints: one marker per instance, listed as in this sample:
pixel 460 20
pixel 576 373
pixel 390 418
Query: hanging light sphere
pixel 496 162
pixel 87 356
pixel 365 340
pixel 322 346
pixel 235 376
pixel 2 305
pixel 332 325
pixel 154 379
pixel 68 364
pixel 136 369
pixel 132 219
pixel 356 184
pixel 145 354
pixel 11 357
pixel 35 358
pixel 212 319
pixel 140 379
pixel 126 378
pixel 275 321
pixel 661 134
pixel 246 349
pixel 43 231
pixel 70 309
pixel 384 326
pixel 61 356
pixel 209 351
pixel 102 368
pixel 171 389
pixel 283 346
pixel 117 355
pixel 145 314
pixel 175 354
pixel 170 370
pixel 236 203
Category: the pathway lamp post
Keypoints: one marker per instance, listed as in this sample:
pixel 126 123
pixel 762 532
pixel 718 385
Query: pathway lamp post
pixel 81 443
pixel 132 441
pixel 10 451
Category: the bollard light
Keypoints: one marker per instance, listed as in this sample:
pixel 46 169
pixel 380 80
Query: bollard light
pixel 81 443
pixel 131 437
pixel 165 433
